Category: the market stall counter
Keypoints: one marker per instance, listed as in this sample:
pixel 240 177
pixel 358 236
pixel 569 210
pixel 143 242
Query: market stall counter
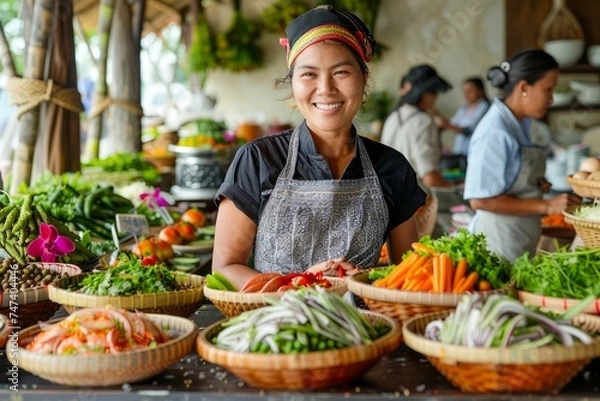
pixel 401 374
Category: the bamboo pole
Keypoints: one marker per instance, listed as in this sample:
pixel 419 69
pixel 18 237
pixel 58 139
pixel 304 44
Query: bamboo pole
pixel 6 58
pixel 94 134
pixel 43 18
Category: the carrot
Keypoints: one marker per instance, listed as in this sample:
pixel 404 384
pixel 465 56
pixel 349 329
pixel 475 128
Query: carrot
pixel 425 285
pixel 459 284
pixel 400 270
pixel 436 274
pixel 469 282
pixel 417 246
pixel 409 271
pixel 448 267
pixel 461 271
pixel 443 274
pixel 484 285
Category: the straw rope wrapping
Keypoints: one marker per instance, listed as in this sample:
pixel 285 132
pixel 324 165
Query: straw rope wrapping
pixel 29 93
pixel 101 103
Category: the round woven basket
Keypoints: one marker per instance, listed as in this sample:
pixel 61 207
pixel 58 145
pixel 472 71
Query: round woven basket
pixel 301 371
pixel 585 188
pixel 179 303
pixel 560 304
pixel 106 369
pixel 426 216
pixel 543 369
pixel 404 305
pixel 589 231
pixel 233 303
pixel 26 307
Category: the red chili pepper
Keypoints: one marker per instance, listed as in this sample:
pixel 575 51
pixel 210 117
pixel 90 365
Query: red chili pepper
pixel 149 260
pixel 340 271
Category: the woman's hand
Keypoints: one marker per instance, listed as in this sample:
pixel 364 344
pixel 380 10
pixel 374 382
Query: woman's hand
pixel 335 267
pixel 561 202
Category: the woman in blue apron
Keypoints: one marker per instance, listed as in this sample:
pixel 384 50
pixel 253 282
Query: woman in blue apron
pixel 505 171
pixel 318 197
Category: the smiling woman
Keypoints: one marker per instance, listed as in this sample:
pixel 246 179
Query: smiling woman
pixel 319 197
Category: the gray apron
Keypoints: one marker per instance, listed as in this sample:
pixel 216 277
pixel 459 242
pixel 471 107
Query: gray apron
pixel 511 235
pixel 311 221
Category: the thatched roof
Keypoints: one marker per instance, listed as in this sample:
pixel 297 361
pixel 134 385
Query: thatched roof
pixel 159 13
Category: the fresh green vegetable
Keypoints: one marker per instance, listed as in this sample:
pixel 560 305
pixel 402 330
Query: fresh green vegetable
pixel 589 213
pixel 217 281
pixel 380 272
pixel 129 278
pixel 310 319
pixel 563 273
pixel 122 162
pixel 490 266
pixel 501 321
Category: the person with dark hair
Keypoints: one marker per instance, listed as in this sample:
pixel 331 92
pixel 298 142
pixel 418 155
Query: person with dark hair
pixel 319 197
pixel 410 127
pixel 466 118
pixel 505 181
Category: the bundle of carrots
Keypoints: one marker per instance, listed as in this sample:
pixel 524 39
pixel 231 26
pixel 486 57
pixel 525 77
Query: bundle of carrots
pixel 427 270
pixel 556 221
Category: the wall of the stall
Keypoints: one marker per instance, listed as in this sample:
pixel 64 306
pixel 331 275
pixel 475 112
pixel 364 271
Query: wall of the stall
pixel 459 37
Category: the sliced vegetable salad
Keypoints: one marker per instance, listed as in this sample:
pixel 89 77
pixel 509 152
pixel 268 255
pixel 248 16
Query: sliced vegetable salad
pixel 311 319
pixel 501 321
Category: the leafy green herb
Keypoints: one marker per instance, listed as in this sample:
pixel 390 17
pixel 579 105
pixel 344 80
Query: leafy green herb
pixel 129 278
pixel 489 265
pixel 563 273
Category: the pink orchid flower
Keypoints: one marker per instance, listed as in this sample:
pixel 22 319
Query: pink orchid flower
pixel 49 245
pixel 156 199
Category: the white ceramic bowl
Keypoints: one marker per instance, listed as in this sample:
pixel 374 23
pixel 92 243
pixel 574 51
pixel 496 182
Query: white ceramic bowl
pixel 562 98
pixel 587 92
pixel 593 54
pixel 567 52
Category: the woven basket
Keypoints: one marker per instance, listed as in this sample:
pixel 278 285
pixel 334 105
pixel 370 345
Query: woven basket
pixel 179 303
pixel 585 188
pixel 233 303
pixel 404 305
pixel 426 216
pixel 560 304
pixel 27 307
pixel 543 369
pixel 107 369
pixel 589 231
pixel 311 370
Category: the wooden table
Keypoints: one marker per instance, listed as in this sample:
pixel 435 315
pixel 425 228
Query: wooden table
pixel 401 374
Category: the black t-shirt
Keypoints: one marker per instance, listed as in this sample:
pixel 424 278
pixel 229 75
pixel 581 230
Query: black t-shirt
pixel 256 166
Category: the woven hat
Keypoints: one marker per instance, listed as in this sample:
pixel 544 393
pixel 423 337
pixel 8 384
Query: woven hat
pixel 326 23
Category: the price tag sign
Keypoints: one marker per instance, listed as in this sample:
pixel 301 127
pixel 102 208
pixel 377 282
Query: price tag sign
pixel 135 224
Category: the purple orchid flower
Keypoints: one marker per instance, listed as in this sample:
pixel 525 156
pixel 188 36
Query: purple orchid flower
pixel 156 199
pixel 49 245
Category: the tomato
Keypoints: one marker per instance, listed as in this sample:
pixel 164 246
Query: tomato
pixel 150 260
pixel 164 250
pixel 170 235
pixel 195 217
pixel 144 248
pixel 186 230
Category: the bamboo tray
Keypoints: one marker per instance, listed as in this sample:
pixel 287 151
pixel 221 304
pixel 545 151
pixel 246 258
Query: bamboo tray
pixel 589 231
pixel 179 303
pixel 32 305
pixel 106 369
pixel 560 304
pixel 543 369
pixel 233 303
pixel 311 370
pixel 585 188
pixel 404 305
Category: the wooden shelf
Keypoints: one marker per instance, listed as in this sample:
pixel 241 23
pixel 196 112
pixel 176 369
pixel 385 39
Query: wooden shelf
pixel 580 68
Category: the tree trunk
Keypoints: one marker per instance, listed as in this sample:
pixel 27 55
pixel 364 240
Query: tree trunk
pixel 92 144
pixel 43 18
pixel 124 127
pixel 6 56
pixel 58 148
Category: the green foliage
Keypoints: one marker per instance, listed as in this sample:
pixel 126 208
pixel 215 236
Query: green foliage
pixel 201 56
pixel 377 107
pixel 277 16
pixel 122 162
pixel 236 48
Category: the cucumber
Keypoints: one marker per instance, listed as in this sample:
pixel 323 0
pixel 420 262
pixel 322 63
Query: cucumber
pixel 224 281
pixel 181 260
pixel 184 268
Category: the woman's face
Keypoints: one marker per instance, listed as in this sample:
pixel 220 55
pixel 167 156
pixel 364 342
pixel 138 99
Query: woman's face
pixel 471 93
pixel 427 101
pixel 328 85
pixel 539 95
